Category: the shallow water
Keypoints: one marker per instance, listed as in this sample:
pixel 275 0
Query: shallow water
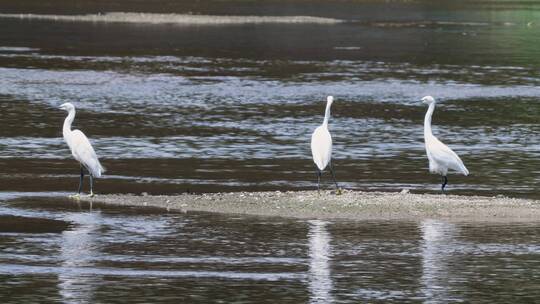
pixel 199 107
pixel 175 104
pixel 113 254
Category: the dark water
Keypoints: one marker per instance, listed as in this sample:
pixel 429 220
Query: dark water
pixel 114 255
pixel 175 107
pixel 211 107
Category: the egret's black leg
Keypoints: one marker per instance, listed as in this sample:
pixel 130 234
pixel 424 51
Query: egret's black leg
pixel 91 185
pixel 319 173
pixel 334 176
pixel 318 180
pixel 81 180
pixel 444 183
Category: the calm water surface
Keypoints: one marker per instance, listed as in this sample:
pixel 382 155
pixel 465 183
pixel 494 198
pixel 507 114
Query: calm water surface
pixel 172 108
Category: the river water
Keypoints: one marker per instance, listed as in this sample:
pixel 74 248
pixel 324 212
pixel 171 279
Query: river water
pixel 114 255
pixel 179 103
pixel 207 107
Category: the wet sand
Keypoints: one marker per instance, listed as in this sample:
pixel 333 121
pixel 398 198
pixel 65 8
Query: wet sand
pixel 351 205
pixel 186 19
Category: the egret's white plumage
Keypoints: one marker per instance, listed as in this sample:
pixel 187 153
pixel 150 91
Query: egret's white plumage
pixel 321 140
pixel 440 156
pixel 321 143
pixel 80 146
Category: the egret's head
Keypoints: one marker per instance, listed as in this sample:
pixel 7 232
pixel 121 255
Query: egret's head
pixel 67 107
pixel 428 100
pixel 330 99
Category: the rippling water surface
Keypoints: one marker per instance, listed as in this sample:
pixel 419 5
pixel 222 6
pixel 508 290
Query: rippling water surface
pixel 174 105
pixel 210 108
pixel 114 254
pixel 212 97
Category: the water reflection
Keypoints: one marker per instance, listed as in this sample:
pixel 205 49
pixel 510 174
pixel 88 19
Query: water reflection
pixel 438 238
pixel 320 250
pixel 157 257
pixel 78 249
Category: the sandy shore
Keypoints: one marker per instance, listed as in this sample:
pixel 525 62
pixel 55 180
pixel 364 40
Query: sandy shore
pixel 352 205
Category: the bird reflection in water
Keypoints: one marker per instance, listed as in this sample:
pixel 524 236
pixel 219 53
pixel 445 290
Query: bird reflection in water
pixel 78 250
pixel 320 250
pixel 438 239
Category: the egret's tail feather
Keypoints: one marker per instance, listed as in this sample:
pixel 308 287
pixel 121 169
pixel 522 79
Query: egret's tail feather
pixel 100 170
pixel 96 173
pixel 95 168
pixel 463 169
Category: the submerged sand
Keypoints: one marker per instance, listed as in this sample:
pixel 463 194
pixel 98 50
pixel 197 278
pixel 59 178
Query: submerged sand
pixel 352 205
pixel 179 19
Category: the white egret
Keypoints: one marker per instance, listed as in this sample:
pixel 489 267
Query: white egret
pixel 81 149
pixel 321 146
pixel 441 158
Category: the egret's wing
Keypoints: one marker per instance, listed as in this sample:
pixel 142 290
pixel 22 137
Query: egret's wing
pixel 321 147
pixel 443 155
pixel 84 152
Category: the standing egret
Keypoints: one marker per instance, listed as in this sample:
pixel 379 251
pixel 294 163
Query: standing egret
pixel 321 146
pixel 441 158
pixel 81 149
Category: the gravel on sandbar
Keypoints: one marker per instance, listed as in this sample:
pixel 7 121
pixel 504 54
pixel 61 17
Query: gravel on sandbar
pixel 352 205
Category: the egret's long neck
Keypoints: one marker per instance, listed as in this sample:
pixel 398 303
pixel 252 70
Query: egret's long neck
pixel 327 114
pixel 68 121
pixel 427 120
